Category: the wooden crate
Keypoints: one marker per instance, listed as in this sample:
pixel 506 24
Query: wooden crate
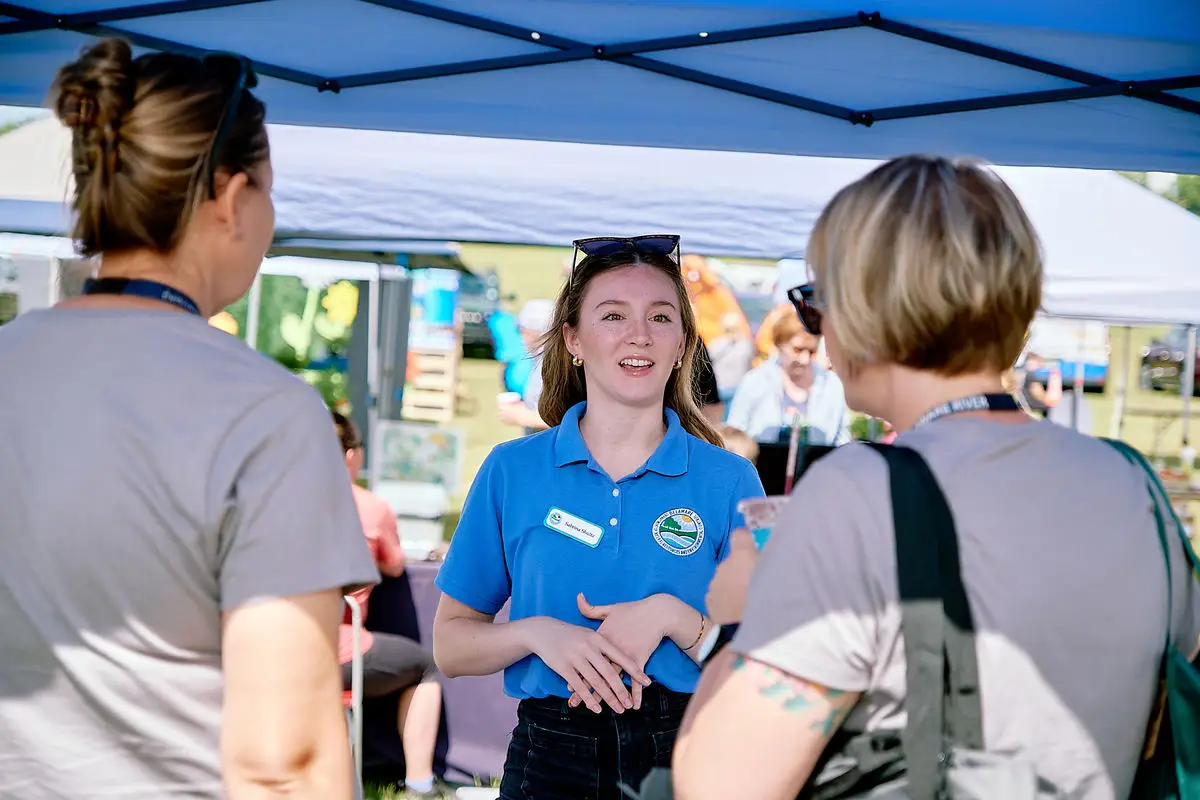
pixel 432 388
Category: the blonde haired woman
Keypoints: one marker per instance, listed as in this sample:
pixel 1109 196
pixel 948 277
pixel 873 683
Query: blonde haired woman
pixel 927 274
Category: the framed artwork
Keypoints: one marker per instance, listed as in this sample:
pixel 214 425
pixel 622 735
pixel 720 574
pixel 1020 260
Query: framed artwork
pixel 416 453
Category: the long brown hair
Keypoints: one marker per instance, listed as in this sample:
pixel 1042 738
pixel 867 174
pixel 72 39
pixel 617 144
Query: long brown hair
pixel 142 130
pixel 564 384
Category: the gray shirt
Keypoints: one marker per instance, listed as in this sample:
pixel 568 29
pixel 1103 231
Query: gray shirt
pixel 155 472
pixel 1064 573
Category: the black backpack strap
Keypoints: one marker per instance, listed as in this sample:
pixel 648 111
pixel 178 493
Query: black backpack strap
pixel 942 691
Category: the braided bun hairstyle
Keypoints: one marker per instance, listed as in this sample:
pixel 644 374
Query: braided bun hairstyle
pixel 142 131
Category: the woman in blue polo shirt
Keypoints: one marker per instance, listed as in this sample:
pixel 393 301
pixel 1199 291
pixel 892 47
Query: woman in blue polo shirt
pixel 604 532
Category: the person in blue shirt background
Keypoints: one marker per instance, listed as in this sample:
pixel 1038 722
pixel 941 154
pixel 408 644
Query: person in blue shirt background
pixel 535 319
pixel 604 532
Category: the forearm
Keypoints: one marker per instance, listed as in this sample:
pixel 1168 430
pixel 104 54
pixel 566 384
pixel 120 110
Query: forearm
pixel 476 647
pixel 283 725
pixel 523 416
pixel 684 625
pixel 530 418
pixel 1054 389
pixel 321 772
pixel 393 565
pixel 391 554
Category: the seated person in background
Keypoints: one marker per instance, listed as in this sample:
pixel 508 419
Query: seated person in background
pixel 738 442
pixel 792 272
pixel 391 663
pixel 773 393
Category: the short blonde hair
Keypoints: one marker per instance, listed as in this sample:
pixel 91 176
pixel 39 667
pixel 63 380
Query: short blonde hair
pixel 930 263
pixel 738 441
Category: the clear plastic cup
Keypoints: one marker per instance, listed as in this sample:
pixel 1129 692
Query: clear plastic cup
pixel 760 514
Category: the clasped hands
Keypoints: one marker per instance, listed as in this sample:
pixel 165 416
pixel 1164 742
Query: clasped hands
pixel 593 661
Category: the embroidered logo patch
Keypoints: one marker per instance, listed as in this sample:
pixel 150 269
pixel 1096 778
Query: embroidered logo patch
pixel 679 531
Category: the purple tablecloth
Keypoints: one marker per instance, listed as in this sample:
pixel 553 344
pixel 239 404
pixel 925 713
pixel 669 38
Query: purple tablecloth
pixel 477 718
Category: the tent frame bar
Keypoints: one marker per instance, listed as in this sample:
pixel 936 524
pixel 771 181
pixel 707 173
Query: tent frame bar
pixel 564 50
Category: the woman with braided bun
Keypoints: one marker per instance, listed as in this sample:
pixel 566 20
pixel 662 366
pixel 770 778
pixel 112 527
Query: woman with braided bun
pixel 176 540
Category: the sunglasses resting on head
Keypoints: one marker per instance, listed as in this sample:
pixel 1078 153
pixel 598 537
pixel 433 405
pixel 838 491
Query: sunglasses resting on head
pixel 665 244
pixel 805 301
pixel 239 73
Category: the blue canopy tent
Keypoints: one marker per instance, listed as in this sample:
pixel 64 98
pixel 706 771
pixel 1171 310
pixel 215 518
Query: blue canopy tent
pixel 1092 83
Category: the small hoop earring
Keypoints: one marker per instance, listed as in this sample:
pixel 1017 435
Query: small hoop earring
pixel 679 364
pixel 577 361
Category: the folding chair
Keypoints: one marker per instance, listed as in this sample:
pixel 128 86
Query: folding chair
pixel 353 698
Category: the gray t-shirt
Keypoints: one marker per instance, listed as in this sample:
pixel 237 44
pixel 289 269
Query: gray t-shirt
pixel 154 473
pixel 1064 573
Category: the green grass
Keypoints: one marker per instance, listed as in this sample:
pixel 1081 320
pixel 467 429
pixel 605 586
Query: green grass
pixel 532 272
pixel 376 792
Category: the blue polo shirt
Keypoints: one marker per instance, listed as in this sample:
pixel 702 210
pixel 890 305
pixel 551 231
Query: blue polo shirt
pixel 543 522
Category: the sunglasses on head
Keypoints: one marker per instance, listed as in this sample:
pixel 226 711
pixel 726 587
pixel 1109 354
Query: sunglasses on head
pixel 664 244
pixel 804 300
pixel 236 70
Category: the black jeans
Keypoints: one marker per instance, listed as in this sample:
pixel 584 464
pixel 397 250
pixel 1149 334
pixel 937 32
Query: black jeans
pixel 563 753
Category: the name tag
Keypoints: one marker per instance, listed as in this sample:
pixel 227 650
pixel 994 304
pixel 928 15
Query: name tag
pixel 573 527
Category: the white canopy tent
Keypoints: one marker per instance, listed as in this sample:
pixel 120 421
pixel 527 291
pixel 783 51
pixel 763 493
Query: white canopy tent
pixel 1114 251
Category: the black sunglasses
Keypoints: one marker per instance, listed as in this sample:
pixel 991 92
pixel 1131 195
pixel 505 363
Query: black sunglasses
pixel 664 244
pixel 804 300
pixel 237 70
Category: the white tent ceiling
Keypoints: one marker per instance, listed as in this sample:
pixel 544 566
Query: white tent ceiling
pixel 1114 250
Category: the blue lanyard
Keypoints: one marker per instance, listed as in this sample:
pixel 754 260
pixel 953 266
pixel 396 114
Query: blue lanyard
pixel 977 402
pixel 136 287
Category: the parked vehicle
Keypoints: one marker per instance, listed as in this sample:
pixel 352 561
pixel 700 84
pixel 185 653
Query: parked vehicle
pixel 478 298
pixel 1163 360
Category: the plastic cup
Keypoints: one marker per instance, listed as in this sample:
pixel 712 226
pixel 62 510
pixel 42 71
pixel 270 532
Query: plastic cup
pixel 760 514
pixel 507 398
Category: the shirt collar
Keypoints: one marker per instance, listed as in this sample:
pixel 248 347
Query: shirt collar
pixel 670 458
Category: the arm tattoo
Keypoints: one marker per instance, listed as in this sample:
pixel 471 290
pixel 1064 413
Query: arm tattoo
pixel 827 707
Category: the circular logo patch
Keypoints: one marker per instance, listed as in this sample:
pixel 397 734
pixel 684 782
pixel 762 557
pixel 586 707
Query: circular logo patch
pixel 679 531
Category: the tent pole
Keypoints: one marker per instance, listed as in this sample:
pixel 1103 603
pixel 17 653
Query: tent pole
pixel 1077 389
pixel 375 287
pixel 253 310
pixel 1187 385
pixel 1116 426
